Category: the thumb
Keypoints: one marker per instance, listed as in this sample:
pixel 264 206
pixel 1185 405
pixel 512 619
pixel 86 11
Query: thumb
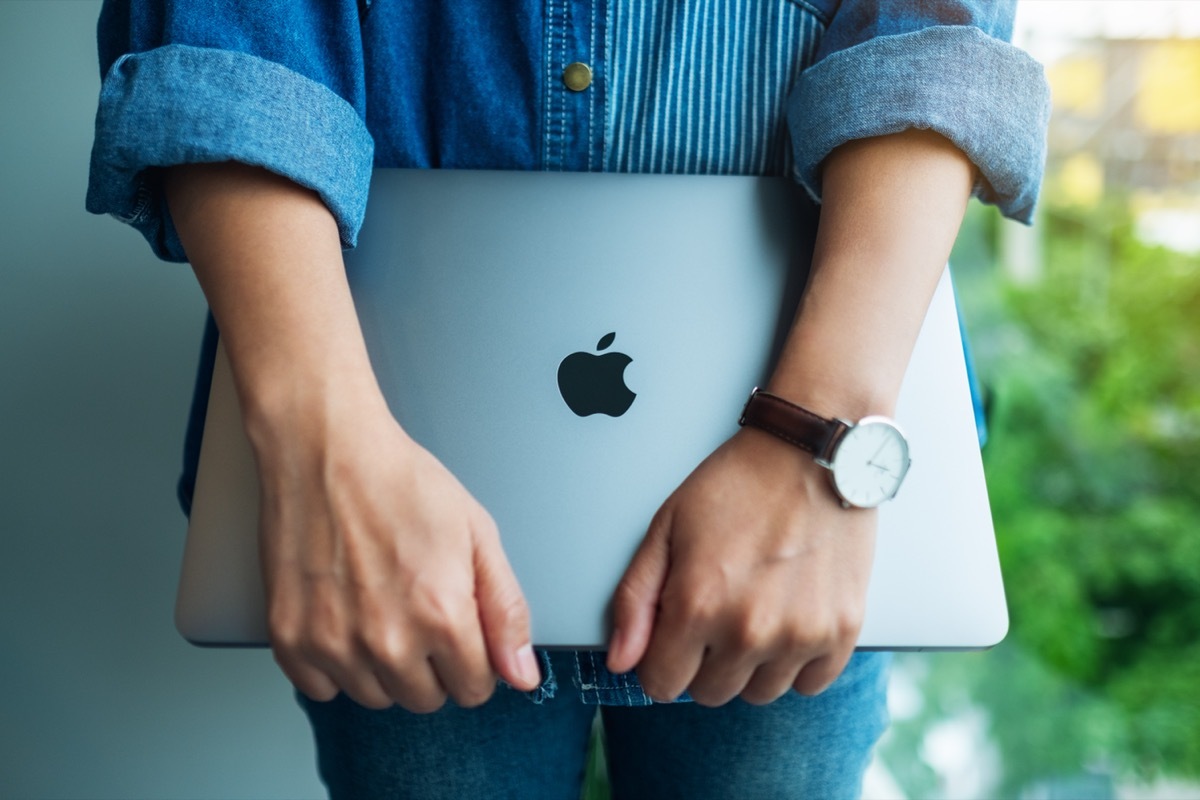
pixel 503 615
pixel 635 602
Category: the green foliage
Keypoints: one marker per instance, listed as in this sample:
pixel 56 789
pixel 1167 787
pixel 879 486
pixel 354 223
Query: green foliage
pixel 1092 467
pixel 595 773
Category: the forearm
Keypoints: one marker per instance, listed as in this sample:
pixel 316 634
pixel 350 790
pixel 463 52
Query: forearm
pixel 892 207
pixel 790 589
pixel 385 579
pixel 267 255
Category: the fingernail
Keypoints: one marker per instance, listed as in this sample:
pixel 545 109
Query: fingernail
pixel 527 666
pixel 616 645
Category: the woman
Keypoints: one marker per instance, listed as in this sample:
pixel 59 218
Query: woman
pixel 241 137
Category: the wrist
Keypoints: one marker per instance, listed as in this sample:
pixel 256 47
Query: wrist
pixel 866 460
pixel 835 385
pixel 794 477
pixel 296 404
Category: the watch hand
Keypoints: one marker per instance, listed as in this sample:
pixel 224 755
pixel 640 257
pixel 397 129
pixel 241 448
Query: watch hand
pixel 881 468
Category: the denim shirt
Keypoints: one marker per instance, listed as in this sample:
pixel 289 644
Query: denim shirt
pixel 322 91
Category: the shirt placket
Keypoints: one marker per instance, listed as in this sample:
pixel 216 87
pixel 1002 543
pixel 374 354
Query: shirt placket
pixel 576 85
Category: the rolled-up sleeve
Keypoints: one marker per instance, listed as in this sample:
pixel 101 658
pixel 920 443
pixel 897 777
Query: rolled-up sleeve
pixel 941 65
pixel 273 84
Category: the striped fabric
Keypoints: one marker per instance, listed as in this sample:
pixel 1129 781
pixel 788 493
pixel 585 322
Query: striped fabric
pixel 698 86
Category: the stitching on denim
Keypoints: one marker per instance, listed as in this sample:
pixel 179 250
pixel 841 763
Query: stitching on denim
pixel 549 685
pixel 561 144
pixel 589 692
pixel 555 138
pixel 119 63
pixel 591 104
pixel 595 684
pixel 140 206
pixel 606 130
pixel 810 8
pixel 549 12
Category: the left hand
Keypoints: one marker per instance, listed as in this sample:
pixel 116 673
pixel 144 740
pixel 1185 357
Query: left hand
pixel 751 580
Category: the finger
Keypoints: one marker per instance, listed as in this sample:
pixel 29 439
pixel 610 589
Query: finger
pixel 721 677
pixel 679 641
pixel 291 647
pixel 309 681
pixel 669 667
pixel 394 657
pixel 503 614
pixel 415 687
pixel 771 681
pixel 461 666
pixel 316 658
pixel 360 686
pixel 819 674
pixel 635 602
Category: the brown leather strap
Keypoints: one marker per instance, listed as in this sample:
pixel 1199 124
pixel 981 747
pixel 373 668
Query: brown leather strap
pixel 793 424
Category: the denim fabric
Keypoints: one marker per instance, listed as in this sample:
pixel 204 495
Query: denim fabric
pixel 975 90
pixel 796 747
pixel 274 83
pixel 853 22
pixel 598 686
pixel 701 89
pixel 456 85
pixel 179 104
pixel 475 84
pixel 321 89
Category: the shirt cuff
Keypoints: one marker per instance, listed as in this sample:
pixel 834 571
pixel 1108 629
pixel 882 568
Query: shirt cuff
pixel 179 104
pixel 987 97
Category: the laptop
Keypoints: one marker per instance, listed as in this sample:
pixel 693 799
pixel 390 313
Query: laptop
pixel 571 346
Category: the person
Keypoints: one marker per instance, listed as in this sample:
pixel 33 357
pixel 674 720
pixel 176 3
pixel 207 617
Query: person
pixel 241 137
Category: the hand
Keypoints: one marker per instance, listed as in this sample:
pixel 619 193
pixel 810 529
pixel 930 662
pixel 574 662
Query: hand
pixel 385 578
pixel 751 580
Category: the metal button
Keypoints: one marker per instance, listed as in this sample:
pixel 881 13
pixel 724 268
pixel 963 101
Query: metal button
pixel 577 76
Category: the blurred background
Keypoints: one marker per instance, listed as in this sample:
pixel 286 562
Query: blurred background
pixel 98 342
pixel 1086 328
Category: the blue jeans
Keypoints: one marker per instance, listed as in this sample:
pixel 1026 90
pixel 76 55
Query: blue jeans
pixel 796 747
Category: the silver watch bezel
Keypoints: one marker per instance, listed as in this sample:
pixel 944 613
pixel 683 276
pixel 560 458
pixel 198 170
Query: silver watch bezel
pixel 831 463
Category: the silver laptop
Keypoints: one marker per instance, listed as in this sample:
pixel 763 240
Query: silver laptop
pixel 571 346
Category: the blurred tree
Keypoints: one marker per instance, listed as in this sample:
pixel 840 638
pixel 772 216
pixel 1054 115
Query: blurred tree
pixel 1093 473
pixel 1093 466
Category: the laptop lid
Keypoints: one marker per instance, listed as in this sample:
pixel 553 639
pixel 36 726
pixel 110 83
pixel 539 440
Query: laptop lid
pixel 571 346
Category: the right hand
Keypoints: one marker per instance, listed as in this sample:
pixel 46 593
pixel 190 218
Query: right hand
pixel 385 578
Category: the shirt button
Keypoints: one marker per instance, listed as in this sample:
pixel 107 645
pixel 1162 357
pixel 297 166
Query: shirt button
pixel 577 76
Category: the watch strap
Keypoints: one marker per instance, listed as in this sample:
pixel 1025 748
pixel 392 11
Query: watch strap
pixel 795 425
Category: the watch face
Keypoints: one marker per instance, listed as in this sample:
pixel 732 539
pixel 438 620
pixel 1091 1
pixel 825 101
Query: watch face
pixel 870 462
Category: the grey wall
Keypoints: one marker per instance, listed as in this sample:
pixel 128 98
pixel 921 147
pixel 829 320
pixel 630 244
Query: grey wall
pixel 101 698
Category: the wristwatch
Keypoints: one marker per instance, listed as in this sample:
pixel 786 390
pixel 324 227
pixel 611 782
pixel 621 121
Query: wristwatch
pixel 867 460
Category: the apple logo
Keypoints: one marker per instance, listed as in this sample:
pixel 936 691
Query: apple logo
pixel 592 384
